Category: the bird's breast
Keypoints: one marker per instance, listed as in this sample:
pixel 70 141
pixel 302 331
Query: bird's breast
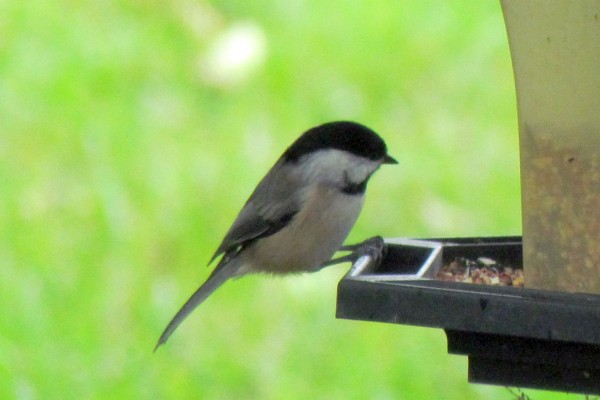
pixel 312 237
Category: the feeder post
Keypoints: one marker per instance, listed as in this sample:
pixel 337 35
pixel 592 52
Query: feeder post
pixel 555 49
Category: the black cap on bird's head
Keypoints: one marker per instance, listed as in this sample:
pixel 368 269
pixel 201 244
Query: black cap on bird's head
pixel 343 135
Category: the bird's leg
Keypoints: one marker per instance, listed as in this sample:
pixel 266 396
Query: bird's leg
pixel 374 247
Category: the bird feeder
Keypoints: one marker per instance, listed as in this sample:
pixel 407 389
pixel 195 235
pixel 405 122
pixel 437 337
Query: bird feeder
pixel 541 329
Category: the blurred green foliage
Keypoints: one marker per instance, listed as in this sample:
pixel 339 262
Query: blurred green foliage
pixel 133 131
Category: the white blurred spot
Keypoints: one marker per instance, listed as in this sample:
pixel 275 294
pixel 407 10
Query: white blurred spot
pixel 234 55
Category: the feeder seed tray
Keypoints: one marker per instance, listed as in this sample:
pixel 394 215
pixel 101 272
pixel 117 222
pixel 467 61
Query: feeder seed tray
pixel 513 336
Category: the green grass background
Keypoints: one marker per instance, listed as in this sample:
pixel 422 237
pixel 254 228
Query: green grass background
pixel 123 160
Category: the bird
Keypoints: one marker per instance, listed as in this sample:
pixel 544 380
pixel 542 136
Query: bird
pixel 301 212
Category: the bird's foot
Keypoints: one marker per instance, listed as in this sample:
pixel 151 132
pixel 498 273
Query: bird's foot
pixel 374 247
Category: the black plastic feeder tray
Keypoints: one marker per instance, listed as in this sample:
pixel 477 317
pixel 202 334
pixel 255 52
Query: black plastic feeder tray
pixel 513 336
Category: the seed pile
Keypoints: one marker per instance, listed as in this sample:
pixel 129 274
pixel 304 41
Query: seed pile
pixel 483 271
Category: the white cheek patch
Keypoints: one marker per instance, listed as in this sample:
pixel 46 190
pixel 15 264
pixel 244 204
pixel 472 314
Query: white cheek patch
pixel 362 171
pixel 337 167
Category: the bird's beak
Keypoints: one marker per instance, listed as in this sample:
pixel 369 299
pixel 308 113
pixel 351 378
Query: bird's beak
pixel 389 160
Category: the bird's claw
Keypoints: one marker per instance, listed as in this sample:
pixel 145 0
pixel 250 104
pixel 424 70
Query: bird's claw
pixel 374 247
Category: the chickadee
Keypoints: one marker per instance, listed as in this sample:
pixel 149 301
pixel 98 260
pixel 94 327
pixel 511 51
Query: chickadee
pixel 301 212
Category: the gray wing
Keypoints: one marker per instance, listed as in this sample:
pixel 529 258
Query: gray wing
pixel 271 207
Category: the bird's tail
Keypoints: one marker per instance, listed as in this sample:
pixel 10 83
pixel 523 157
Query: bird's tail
pixel 227 268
